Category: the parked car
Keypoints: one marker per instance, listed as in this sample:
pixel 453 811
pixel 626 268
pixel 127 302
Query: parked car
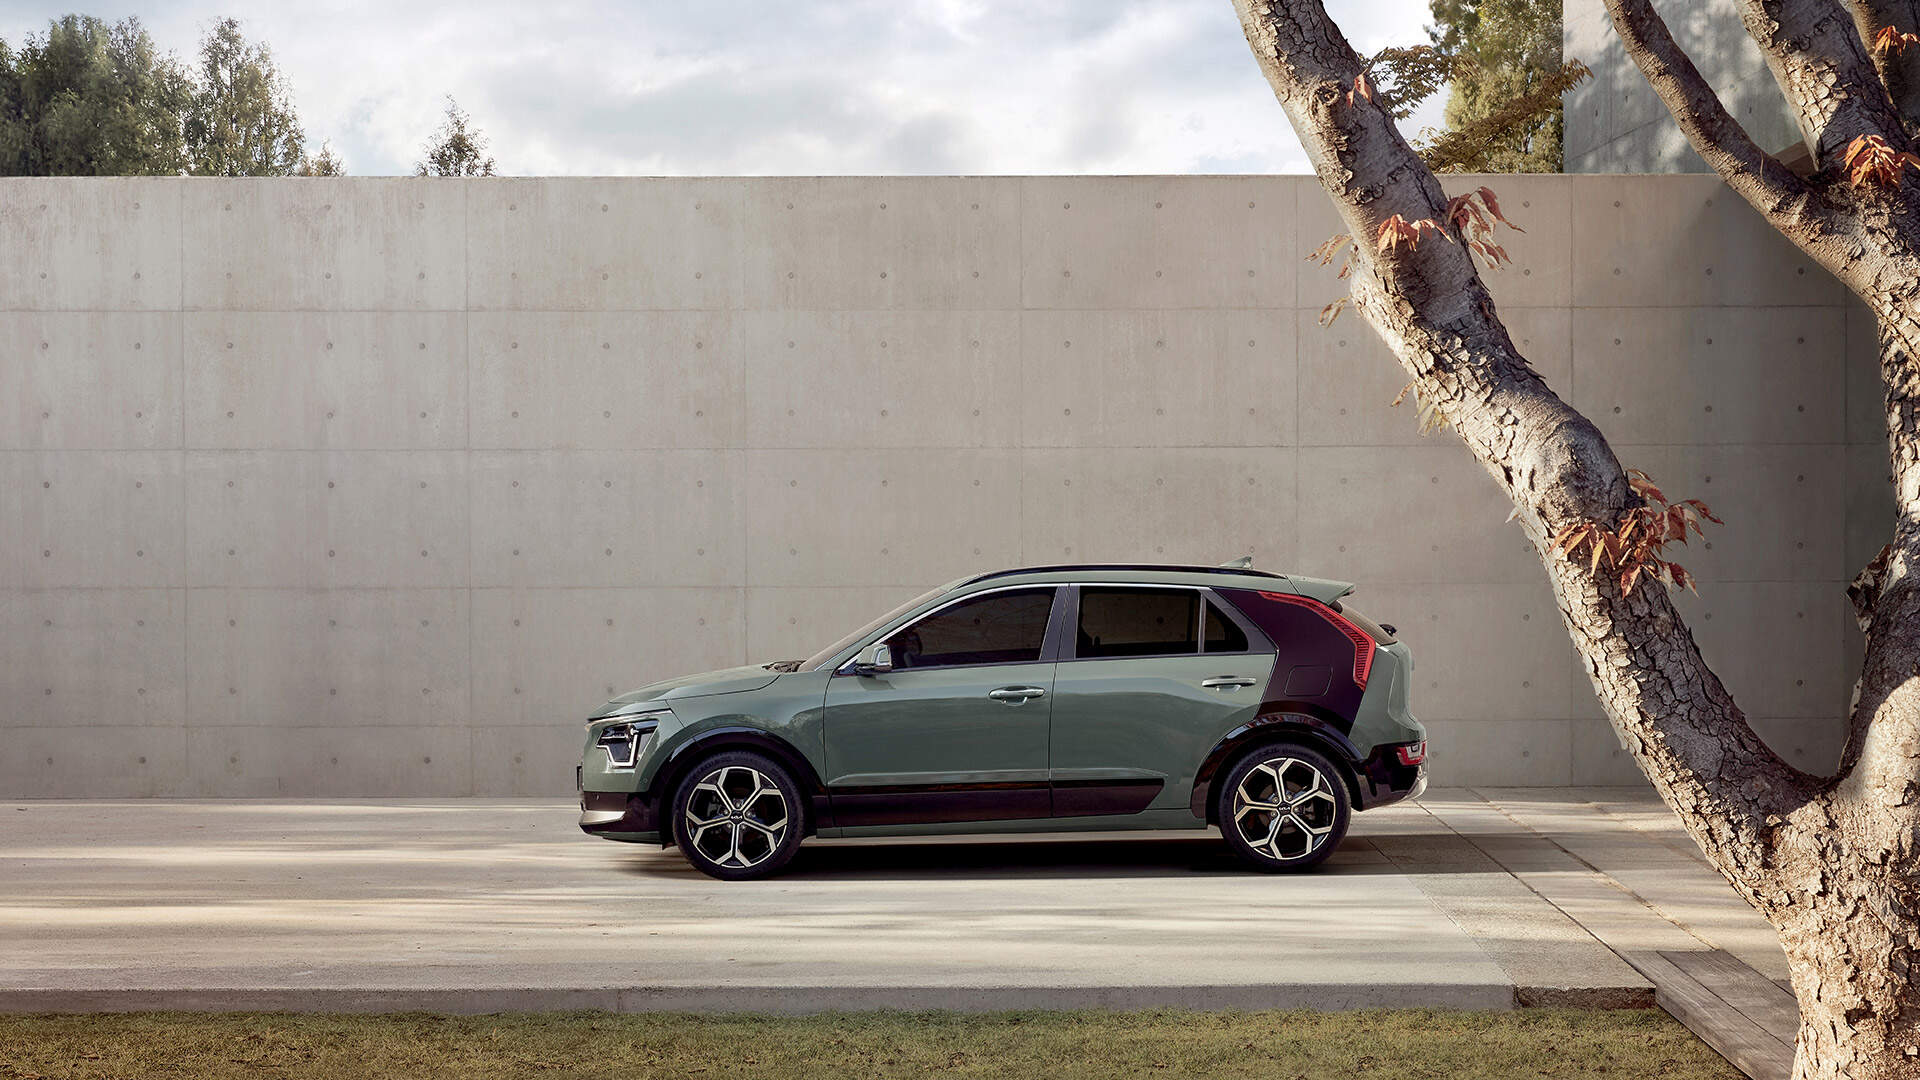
pixel 1050 698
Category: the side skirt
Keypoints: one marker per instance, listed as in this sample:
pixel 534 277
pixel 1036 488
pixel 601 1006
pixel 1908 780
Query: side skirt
pixel 1177 819
pixel 911 804
pixel 1098 797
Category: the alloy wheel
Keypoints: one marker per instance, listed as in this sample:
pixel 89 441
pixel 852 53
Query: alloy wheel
pixel 1284 809
pixel 736 817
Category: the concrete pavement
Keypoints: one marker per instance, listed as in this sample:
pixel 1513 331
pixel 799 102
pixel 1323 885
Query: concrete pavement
pixel 483 905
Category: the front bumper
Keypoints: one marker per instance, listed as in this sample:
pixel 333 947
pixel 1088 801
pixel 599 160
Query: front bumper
pixel 605 813
pixel 1385 781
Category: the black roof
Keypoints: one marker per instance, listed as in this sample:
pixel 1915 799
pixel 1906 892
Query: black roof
pixel 1184 568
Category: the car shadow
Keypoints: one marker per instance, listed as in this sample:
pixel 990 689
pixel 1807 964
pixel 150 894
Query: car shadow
pixel 920 860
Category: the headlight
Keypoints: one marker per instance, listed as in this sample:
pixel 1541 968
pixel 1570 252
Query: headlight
pixel 625 742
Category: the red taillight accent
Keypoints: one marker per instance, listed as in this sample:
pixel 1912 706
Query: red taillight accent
pixel 1413 753
pixel 1363 643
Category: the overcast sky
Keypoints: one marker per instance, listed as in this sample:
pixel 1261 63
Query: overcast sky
pixel 745 87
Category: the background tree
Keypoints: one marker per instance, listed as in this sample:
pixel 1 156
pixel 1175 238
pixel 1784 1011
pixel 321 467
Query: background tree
pixel 91 98
pixel 1832 862
pixel 1504 51
pixel 242 121
pixel 456 149
pixel 1500 61
pixel 323 163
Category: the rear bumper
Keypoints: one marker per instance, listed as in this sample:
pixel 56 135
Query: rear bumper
pixel 1384 780
pixel 615 814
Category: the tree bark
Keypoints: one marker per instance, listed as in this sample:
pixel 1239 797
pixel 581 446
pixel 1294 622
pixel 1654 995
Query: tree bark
pixel 1829 861
pixel 1899 68
pixel 1822 68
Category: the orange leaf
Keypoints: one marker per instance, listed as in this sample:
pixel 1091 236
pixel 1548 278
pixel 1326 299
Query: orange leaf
pixel 1682 578
pixel 1493 207
pixel 1361 87
pixel 1890 39
pixel 1629 578
pixel 1328 249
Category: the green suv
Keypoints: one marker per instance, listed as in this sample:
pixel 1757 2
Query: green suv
pixel 1050 698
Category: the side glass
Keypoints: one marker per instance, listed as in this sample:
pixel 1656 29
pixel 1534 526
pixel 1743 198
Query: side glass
pixel 1223 634
pixel 1137 622
pixel 998 628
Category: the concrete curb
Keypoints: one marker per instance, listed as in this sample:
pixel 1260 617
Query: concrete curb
pixel 791 1000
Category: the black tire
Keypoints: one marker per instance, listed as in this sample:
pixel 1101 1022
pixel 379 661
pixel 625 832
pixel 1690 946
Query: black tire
pixel 1307 815
pixel 738 816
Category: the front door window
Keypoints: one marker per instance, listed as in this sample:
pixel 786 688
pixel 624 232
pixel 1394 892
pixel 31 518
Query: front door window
pixel 997 628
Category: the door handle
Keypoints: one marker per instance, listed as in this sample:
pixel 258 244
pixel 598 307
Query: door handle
pixel 1227 682
pixel 1016 695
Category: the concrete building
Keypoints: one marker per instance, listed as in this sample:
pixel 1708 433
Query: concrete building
pixel 1616 124
pixel 376 486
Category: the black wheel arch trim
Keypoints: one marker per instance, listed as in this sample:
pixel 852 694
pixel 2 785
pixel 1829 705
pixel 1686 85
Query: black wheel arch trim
pixel 1282 721
pixel 682 758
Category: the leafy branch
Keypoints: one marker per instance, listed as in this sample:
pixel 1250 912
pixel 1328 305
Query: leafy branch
pixel 1636 548
pixel 1871 162
pixel 1468 148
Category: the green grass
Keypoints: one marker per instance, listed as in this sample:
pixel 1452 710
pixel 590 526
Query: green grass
pixel 1399 1043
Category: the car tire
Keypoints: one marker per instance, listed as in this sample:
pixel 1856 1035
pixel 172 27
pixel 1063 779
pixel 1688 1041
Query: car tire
pixel 737 815
pixel 1283 808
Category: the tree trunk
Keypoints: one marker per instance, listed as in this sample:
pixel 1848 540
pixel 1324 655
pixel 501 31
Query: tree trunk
pixel 1830 862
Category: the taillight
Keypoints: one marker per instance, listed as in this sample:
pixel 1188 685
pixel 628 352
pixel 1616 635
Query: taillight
pixel 1412 753
pixel 1363 643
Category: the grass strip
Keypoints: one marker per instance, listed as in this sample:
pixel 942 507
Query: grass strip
pixel 1080 1045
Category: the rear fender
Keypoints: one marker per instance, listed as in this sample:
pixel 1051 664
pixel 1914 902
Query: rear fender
pixel 1293 722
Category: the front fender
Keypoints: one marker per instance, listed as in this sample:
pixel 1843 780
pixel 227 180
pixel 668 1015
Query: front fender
pixel 683 756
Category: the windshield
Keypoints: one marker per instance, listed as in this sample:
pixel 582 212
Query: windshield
pixel 825 655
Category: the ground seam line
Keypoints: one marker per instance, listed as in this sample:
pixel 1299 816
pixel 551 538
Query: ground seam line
pixel 1608 878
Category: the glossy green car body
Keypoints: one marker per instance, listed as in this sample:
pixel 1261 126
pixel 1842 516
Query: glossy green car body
pixel 1062 742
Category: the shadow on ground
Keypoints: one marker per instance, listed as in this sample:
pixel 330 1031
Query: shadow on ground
pixel 875 860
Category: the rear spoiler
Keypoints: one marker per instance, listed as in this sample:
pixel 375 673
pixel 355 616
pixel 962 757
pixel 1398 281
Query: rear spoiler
pixel 1321 589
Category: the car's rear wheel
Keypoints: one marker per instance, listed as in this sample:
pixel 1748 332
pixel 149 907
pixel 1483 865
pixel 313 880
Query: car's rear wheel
pixel 1283 807
pixel 737 815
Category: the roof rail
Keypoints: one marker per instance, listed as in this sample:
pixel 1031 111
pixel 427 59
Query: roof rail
pixel 1184 568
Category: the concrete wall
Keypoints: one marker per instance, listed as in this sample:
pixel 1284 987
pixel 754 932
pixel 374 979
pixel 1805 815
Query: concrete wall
pixel 376 486
pixel 1615 122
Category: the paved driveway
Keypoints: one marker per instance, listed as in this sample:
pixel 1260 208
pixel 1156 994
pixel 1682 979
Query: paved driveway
pixel 475 905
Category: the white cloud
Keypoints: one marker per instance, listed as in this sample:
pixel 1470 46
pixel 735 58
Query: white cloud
pixel 762 87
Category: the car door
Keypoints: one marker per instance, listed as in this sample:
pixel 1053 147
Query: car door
pixel 1150 677
pixel 957 731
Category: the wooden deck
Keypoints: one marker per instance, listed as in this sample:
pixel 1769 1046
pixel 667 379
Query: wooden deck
pixel 1750 1019
pixel 1659 908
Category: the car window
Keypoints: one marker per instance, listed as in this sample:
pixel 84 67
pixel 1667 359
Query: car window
pixel 996 628
pixel 1138 622
pixel 1223 634
pixel 824 656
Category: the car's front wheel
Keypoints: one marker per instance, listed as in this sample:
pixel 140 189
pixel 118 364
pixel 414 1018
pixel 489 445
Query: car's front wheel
pixel 737 815
pixel 1283 807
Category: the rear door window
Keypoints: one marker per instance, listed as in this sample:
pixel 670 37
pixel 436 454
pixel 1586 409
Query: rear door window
pixel 1137 622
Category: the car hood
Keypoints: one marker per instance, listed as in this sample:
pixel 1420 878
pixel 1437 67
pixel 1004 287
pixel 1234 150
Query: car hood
pixel 725 681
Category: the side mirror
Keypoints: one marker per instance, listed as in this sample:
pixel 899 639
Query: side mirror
pixel 874 660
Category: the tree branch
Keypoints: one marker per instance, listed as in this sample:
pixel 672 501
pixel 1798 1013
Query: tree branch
pixel 1428 303
pixel 1713 132
pixel 1899 67
pixel 1817 57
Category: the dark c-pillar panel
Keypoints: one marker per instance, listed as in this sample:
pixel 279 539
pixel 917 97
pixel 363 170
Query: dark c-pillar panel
pixel 1316 662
